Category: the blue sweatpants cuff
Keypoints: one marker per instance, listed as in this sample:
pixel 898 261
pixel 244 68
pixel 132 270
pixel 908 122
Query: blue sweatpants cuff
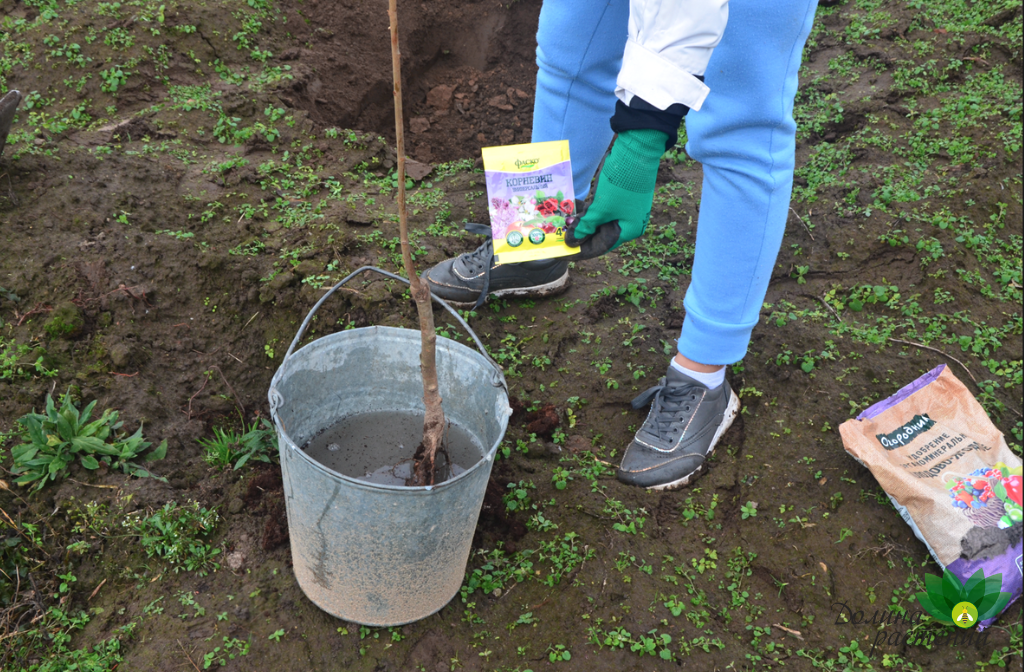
pixel 713 343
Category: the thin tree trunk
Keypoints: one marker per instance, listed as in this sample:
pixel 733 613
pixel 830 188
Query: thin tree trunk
pixel 433 419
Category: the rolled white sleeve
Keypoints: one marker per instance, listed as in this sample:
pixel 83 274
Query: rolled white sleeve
pixel 670 42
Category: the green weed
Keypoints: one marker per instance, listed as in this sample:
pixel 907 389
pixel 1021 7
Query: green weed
pixel 228 446
pixel 45 644
pixel 178 536
pixel 61 437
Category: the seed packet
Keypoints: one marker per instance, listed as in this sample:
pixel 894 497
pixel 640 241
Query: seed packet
pixel 950 475
pixel 529 191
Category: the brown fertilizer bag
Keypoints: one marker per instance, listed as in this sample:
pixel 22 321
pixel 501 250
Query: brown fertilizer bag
pixel 949 473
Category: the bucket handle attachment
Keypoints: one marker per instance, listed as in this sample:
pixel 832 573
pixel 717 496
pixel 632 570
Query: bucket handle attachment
pixel 499 381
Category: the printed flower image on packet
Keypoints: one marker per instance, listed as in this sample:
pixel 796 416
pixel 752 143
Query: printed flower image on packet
pixel 529 192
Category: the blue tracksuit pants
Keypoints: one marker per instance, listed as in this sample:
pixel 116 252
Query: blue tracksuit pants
pixel 743 135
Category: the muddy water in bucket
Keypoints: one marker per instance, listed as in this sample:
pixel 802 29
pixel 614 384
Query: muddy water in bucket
pixel 378 447
pixel 376 553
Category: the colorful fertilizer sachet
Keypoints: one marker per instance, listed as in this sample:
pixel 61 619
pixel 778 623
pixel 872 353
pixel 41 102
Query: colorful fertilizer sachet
pixel 951 476
pixel 529 192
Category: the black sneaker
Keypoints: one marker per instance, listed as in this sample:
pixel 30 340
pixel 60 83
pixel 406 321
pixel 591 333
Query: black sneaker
pixel 680 432
pixel 467 280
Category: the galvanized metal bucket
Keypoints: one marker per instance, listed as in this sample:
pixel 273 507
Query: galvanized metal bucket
pixel 374 554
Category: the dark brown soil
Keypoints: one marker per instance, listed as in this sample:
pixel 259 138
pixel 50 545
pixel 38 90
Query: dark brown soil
pixel 275 531
pixel 497 525
pixel 262 484
pixel 467 68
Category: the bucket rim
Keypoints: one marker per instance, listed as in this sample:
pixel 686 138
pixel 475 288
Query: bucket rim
pixel 276 400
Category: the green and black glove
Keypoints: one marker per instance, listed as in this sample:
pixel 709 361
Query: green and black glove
pixel 623 197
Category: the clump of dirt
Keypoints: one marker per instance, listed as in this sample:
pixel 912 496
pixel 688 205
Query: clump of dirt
pixel 265 482
pixel 542 421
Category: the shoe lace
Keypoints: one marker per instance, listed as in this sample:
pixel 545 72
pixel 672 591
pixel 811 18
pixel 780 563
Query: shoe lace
pixel 482 258
pixel 671 403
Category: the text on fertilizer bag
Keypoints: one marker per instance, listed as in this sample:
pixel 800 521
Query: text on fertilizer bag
pixel 941 444
pixel 529 182
pixel 906 433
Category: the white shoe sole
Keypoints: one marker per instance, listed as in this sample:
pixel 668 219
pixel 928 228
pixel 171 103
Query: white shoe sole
pixel 537 291
pixel 731 411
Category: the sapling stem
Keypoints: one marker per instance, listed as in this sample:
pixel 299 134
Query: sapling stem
pixel 433 417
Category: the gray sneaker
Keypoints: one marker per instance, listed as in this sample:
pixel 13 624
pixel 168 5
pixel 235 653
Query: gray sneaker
pixel 467 280
pixel 680 432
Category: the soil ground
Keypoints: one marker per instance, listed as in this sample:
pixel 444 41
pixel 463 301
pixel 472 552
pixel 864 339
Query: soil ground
pixel 186 178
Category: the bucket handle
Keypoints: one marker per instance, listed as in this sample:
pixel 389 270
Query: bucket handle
pixel 480 346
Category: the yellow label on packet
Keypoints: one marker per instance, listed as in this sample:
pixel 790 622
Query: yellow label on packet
pixel 529 192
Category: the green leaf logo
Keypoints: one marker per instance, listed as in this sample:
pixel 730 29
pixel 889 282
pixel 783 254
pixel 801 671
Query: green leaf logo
pixel 944 596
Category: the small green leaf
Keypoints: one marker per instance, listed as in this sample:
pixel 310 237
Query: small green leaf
pixel 83 417
pixel 23 453
pixel 158 453
pixel 96 428
pixel 70 411
pixel 33 424
pixel 90 445
pixel 65 428
pixel 89 462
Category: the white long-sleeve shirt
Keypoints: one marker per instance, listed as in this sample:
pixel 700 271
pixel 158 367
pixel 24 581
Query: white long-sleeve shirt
pixel 670 42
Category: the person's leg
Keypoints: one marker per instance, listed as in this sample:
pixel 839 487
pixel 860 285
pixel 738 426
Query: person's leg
pixel 579 53
pixel 745 138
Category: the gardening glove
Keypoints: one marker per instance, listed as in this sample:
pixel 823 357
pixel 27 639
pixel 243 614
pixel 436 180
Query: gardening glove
pixel 623 197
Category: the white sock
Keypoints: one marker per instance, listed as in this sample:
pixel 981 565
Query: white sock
pixel 708 380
